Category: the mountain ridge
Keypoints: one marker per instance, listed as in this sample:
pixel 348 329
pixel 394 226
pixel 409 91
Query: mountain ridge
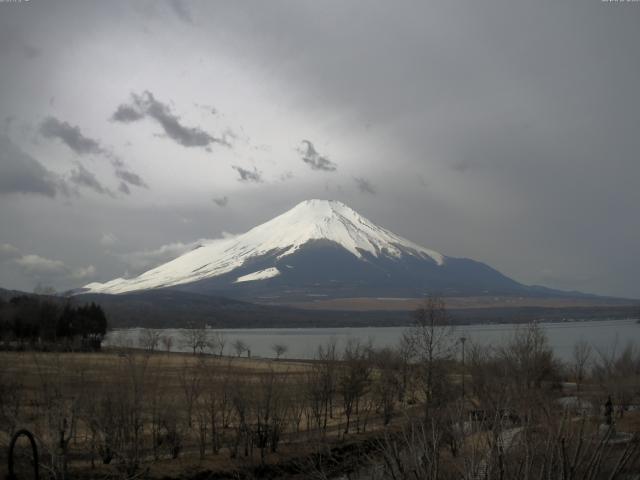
pixel 319 249
pixel 310 220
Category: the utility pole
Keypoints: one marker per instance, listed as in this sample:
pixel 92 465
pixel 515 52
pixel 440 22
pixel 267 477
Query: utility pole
pixel 462 341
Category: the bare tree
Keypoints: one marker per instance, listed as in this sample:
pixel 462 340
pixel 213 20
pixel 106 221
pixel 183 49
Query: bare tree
pixel 115 413
pixel 388 385
pixel 405 356
pixel 60 406
pixel 617 372
pixel 354 378
pixel 239 346
pixel 279 349
pixel 132 399
pixel 157 404
pixel 412 453
pixel 241 401
pixel 298 405
pixel 217 401
pixel 324 379
pixel 432 341
pixel 218 342
pixel 487 375
pixel 167 342
pixel 149 339
pixel 269 409
pixel 529 357
pixel 316 393
pixel 581 357
pixel 202 424
pixel 195 339
pixel 191 378
pixel 12 400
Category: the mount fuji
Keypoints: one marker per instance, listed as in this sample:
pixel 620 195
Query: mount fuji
pixel 318 249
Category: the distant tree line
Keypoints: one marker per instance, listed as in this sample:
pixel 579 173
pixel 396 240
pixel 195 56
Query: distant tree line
pixel 42 323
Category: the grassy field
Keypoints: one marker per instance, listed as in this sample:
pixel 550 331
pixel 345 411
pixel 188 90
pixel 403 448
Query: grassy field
pixel 170 394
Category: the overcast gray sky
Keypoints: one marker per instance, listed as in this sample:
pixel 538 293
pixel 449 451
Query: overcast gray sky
pixel 503 131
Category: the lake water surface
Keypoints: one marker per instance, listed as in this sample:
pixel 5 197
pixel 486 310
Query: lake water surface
pixel 303 343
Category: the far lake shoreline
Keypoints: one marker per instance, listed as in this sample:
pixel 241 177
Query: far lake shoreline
pixel 302 342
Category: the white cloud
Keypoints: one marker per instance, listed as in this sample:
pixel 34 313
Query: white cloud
pixel 8 251
pixel 41 267
pixel 108 240
pixel 37 265
pixel 142 260
pixel 84 273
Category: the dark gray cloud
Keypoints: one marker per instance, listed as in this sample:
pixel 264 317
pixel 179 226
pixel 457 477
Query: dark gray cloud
pixel 286 176
pixel 248 175
pixel 147 105
pixel 316 161
pixel 83 178
pixel 364 185
pixel 126 114
pixel 124 188
pixel 126 176
pixel 130 177
pixel 462 166
pixel 12 39
pixel 21 173
pixel 73 137
pixel 181 9
pixel 70 135
pixel 221 201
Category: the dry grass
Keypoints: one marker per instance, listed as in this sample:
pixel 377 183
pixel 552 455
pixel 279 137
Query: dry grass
pixel 90 375
pixel 630 422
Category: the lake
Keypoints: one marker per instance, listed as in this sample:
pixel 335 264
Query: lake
pixel 302 343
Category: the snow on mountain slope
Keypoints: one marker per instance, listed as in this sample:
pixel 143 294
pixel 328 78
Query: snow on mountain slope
pixel 283 235
pixel 260 275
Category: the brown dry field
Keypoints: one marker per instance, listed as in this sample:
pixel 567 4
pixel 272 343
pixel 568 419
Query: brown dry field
pixel 408 304
pixel 30 367
pixel 84 372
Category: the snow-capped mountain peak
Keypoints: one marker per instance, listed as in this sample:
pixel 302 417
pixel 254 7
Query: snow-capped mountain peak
pixel 311 220
pixel 332 220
